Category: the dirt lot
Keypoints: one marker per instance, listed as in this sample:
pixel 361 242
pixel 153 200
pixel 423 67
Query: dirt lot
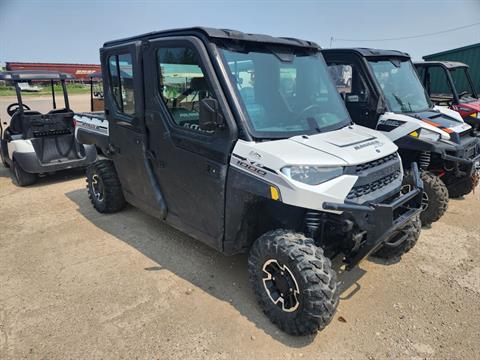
pixel 78 284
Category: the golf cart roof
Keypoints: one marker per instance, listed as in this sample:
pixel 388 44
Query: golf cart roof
pixel 372 53
pixel 225 35
pixel 446 64
pixel 26 75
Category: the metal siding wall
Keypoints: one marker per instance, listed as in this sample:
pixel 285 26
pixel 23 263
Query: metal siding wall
pixel 470 56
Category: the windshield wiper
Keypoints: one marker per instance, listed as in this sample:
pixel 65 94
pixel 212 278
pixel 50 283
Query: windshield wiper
pixel 400 102
pixel 313 125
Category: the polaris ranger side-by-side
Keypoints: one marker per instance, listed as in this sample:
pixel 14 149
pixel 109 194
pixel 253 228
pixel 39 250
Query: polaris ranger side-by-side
pixel 241 141
pixel 33 143
pixel 448 83
pixel 386 94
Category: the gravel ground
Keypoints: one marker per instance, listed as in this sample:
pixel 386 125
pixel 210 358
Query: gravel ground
pixel 78 284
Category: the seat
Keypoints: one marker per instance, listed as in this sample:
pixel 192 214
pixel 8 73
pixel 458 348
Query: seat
pixel 16 123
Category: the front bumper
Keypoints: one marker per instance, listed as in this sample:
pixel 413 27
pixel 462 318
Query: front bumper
pixel 463 156
pixel 382 221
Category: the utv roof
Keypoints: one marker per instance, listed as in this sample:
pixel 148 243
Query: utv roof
pixel 221 34
pixel 26 75
pixel 367 52
pixel 447 64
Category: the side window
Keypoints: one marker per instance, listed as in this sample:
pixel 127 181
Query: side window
pixel 183 84
pixel 342 77
pixel 437 83
pixel 349 80
pixel 121 82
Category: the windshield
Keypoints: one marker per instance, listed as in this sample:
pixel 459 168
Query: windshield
pixel 400 84
pixel 285 94
pixel 462 83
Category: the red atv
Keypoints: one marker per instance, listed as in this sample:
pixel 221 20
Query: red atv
pixel 449 84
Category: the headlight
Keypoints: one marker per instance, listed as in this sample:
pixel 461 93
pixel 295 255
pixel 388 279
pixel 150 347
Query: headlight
pixel 474 115
pixel 311 175
pixel 425 134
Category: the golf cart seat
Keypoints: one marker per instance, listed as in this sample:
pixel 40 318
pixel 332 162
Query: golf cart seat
pixel 16 123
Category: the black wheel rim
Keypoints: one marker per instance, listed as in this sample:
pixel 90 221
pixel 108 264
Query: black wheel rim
pixel 407 188
pixel 97 187
pixel 280 285
pixel 425 200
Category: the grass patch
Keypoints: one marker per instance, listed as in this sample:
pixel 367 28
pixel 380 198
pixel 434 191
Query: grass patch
pixel 6 90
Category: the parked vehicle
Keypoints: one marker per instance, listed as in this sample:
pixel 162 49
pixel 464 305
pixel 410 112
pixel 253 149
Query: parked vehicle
pixel 26 87
pixel 34 143
pixel 387 95
pixel 96 92
pixel 449 83
pixel 242 141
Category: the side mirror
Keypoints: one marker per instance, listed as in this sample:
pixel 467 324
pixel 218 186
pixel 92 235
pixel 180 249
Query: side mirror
pixel 210 117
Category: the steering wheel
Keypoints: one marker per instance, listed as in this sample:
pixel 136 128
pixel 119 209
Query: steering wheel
pixel 308 109
pixel 13 108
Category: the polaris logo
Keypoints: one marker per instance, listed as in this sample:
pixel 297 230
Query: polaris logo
pixel 374 143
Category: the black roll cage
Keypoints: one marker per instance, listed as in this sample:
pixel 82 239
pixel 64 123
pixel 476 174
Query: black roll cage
pixel 448 67
pixel 364 56
pixel 224 38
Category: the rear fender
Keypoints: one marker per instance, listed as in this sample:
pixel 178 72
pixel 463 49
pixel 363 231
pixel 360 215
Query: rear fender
pixel 19 146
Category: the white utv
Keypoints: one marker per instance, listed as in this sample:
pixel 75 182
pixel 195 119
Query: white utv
pixel 242 141
pixel 385 94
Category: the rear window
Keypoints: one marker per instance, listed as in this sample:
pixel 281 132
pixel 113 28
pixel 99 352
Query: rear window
pixel 121 82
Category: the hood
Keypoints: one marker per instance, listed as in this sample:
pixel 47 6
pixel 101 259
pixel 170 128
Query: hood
pixel 353 144
pixel 442 121
pixel 350 145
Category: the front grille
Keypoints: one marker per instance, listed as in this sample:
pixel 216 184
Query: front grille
pixel 375 163
pixel 471 152
pixel 381 174
pixel 358 191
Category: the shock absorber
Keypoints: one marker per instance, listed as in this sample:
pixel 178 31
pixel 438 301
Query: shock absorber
pixel 424 160
pixel 313 221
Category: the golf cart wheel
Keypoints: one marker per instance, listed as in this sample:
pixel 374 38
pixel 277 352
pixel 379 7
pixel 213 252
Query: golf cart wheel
pixel 21 177
pixel 4 162
pixel 104 188
pixel 463 187
pixel 294 282
pixel 435 196
pixel 411 232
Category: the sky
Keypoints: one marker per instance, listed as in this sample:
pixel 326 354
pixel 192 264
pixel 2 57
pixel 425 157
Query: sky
pixel 73 31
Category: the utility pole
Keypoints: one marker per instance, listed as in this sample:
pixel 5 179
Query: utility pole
pixel 331 41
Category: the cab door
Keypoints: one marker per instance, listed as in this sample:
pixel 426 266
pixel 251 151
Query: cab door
pixel 190 163
pixel 124 110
